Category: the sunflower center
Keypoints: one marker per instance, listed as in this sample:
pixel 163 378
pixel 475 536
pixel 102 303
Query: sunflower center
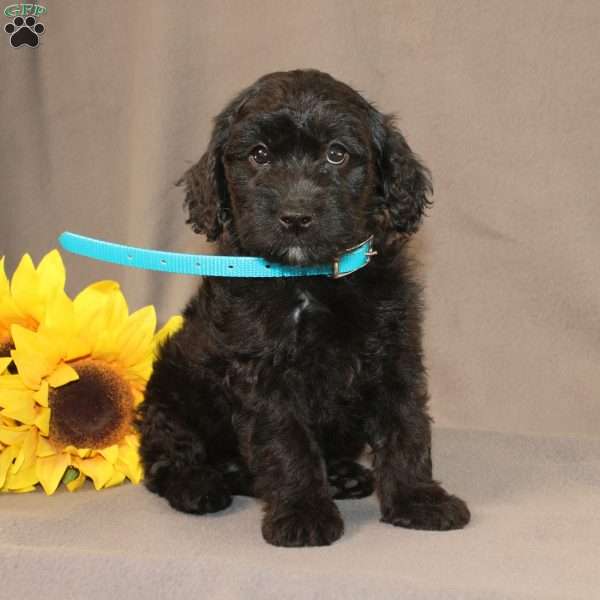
pixel 95 411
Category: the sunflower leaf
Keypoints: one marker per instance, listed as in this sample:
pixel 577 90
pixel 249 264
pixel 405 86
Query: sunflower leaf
pixel 71 474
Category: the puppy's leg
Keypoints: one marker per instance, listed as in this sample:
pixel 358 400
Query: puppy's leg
pixel 177 450
pixel 400 434
pixel 289 475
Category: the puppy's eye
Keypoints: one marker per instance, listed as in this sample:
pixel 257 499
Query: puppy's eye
pixel 260 155
pixel 337 154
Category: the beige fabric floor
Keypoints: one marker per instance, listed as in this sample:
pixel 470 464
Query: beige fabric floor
pixel 535 535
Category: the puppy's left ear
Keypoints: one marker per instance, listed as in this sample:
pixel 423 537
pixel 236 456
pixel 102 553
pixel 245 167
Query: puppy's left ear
pixel 206 197
pixel 405 183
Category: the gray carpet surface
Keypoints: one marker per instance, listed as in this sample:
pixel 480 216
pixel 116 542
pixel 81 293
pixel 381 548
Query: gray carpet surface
pixel 535 534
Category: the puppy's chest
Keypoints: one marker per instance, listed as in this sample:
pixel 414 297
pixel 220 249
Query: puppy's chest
pixel 319 337
pixel 300 310
pixel 305 334
pixel 308 321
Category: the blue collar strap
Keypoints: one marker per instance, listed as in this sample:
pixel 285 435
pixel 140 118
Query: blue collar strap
pixel 349 261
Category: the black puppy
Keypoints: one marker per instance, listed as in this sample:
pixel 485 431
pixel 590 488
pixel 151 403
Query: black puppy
pixel 273 387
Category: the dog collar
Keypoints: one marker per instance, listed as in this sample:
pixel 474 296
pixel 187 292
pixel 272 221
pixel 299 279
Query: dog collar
pixel 207 265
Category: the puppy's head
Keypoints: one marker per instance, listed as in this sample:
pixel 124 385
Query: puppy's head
pixel 300 167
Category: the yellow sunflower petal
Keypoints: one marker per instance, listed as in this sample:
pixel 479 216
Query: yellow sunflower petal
pixel 19 408
pixel 30 368
pixel 115 311
pixel 11 436
pixel 61 327
pixel 11 382
pixel 50 471
pixel 44 447
pixel 24 288
pixel 4 362
pixel 104 347
pixel 26 456
pixel 32 289
pixel 111 454
pixel 80 452
pixel 91 299
pixel 62 375
pixel 51 273
pixel 136 336
pixel 141 371
pixel 41 395
pixel 35 355
pixel 169 328
pixel 99 470
pixel 106 324
pixel 138 396
pixel 59 318
pixel 88 298
pixel 23 481
pixel 116 479
pixel 12 396
pixel 132 440
pixel 42 420
pixel 129 463
pixel 6 457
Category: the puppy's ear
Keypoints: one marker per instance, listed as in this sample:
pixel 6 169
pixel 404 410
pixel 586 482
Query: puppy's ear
pixel 405 183
pixel 207 197
pixel 206 189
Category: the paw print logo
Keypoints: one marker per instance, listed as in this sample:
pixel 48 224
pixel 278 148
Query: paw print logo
pixel 24 31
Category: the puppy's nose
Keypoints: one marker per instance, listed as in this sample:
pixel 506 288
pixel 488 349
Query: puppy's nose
pixel 297 221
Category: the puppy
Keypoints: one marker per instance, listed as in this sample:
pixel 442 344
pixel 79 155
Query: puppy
pixel 274 387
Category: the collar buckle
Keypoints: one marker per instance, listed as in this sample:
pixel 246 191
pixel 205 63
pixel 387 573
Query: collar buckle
pixel 335 265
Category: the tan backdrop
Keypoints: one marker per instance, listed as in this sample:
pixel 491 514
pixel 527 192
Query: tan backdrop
pixel 500 98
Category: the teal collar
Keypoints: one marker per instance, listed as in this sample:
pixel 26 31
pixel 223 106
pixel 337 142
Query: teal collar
pixel 349 261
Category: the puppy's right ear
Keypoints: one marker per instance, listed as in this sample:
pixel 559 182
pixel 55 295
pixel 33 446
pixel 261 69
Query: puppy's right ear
pixel 206 190
pixel 207 197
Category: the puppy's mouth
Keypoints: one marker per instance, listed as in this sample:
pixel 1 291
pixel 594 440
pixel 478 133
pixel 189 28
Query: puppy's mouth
pixel 302 251
pixel 305 255
pixel 295 255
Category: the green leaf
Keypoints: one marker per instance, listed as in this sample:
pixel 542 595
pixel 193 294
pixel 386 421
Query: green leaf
pixel 70 475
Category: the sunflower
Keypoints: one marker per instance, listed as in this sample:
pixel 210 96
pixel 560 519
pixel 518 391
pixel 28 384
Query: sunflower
pixel 23 299
pixel 67 412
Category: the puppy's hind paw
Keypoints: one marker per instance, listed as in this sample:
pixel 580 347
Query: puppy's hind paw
pixel 429 508
pixel 198 492
pixel 349 480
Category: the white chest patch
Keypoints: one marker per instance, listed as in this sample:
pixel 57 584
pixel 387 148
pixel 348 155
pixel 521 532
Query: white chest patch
pixel 303 304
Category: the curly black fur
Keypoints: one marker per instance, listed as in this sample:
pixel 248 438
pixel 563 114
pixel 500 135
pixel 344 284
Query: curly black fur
pixel 274 387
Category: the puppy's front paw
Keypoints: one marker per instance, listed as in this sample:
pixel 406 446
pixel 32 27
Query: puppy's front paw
pixel 318 524
pixel 428 507
pixel 198 492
